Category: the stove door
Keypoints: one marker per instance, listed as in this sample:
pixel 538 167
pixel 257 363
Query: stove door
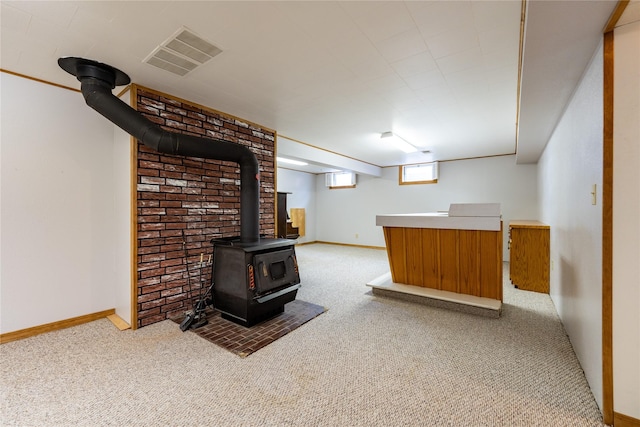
pixel 274 270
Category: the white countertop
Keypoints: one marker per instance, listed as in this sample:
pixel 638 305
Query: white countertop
pixel 483 220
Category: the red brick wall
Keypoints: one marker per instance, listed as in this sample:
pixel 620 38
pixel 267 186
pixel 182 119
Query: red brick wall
pixel 200 197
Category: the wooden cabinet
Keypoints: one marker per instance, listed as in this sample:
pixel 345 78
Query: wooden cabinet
pixel 529 258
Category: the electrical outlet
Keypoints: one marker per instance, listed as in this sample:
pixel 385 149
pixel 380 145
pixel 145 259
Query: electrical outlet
pixel 356 235
pixel 593 194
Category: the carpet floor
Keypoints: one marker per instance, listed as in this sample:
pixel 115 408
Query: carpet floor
pixel 366 361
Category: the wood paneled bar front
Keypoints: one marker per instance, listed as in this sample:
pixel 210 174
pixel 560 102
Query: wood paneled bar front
pixel 454 256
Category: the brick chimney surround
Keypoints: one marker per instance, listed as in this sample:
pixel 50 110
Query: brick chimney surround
pixel 198 196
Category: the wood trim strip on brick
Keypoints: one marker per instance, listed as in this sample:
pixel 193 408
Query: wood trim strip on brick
pixel 275 179
pixel 202 107
pixel 54 326
pixel 133 101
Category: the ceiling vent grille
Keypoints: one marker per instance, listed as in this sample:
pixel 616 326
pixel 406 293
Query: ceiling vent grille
pixel 182 53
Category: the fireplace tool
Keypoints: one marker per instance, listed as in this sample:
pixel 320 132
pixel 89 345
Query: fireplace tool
pixel 196 317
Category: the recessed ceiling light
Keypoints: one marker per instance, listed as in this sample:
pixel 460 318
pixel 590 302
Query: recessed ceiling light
pixel 398 142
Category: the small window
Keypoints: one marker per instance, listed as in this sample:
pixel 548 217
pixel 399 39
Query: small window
pixel 340 179
pixel 422 173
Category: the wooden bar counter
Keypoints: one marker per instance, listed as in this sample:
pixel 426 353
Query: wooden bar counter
pixel 454 253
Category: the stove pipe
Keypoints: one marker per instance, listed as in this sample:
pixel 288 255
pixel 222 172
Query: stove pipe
pixel 98 79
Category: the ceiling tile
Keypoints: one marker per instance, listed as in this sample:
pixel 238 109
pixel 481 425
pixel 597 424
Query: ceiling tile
pixel 489 14
pixel 54 12
pixel 460 61
pixel 434 18
pixel 498 38
pixel 424 80
pixel 380 20
pixel 416 64
pixel 14 19
pixel 453 41
pixel 401 46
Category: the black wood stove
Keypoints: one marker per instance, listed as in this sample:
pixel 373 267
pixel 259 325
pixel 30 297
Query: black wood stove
pixel 253 281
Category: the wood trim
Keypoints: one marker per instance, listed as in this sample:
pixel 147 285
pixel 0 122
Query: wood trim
pixel 433 181
pixel 118 322
pixel 523 16
pixel 615 15
pixel 24 76
pixel 327 151
pixel 457 160
pixel 275 182
pixel 123 91
pixel 345 244
pixel 202 107
pixel 54 326
pixel 134 216
pixel 607 231
pixel 621 420
pixel 339 187
pixel 528 223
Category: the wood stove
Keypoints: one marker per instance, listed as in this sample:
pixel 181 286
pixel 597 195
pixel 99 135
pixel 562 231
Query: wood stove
pixel 253 281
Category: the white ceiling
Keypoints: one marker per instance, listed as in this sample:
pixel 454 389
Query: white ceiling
pixel 334 75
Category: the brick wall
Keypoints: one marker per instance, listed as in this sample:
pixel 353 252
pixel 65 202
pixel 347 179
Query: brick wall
pixel 194 197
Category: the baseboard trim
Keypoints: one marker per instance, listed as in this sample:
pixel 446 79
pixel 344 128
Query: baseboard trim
pixel 621 420
pixel 350 245
pixel 119 322
pixel 54 326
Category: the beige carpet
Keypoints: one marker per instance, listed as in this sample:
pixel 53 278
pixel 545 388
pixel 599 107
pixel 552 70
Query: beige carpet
pixel 367 361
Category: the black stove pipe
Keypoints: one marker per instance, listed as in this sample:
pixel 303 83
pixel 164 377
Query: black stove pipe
pixel 97 80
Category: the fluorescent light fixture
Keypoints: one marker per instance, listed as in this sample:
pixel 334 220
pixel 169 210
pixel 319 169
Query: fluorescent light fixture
pixel 398 142
pixel 291 161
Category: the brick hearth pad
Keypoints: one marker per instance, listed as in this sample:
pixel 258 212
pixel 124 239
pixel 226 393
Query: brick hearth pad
pixel 243 341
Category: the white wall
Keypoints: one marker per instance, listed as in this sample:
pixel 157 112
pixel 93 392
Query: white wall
pixel 349 215
pixel 626 221
pixel 57 211
pixel 301 185
pixel 569 166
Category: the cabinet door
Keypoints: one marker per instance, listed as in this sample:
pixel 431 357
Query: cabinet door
pixel 529 260
pixel 517 259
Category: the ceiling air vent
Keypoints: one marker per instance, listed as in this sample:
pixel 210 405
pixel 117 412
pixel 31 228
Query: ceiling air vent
pixel 182 53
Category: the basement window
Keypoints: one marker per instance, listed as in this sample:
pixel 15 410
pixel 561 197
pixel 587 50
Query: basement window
pixel 421 173
pixel 340 180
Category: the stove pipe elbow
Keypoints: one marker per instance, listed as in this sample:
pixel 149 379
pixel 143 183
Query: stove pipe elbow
pixel 97 80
